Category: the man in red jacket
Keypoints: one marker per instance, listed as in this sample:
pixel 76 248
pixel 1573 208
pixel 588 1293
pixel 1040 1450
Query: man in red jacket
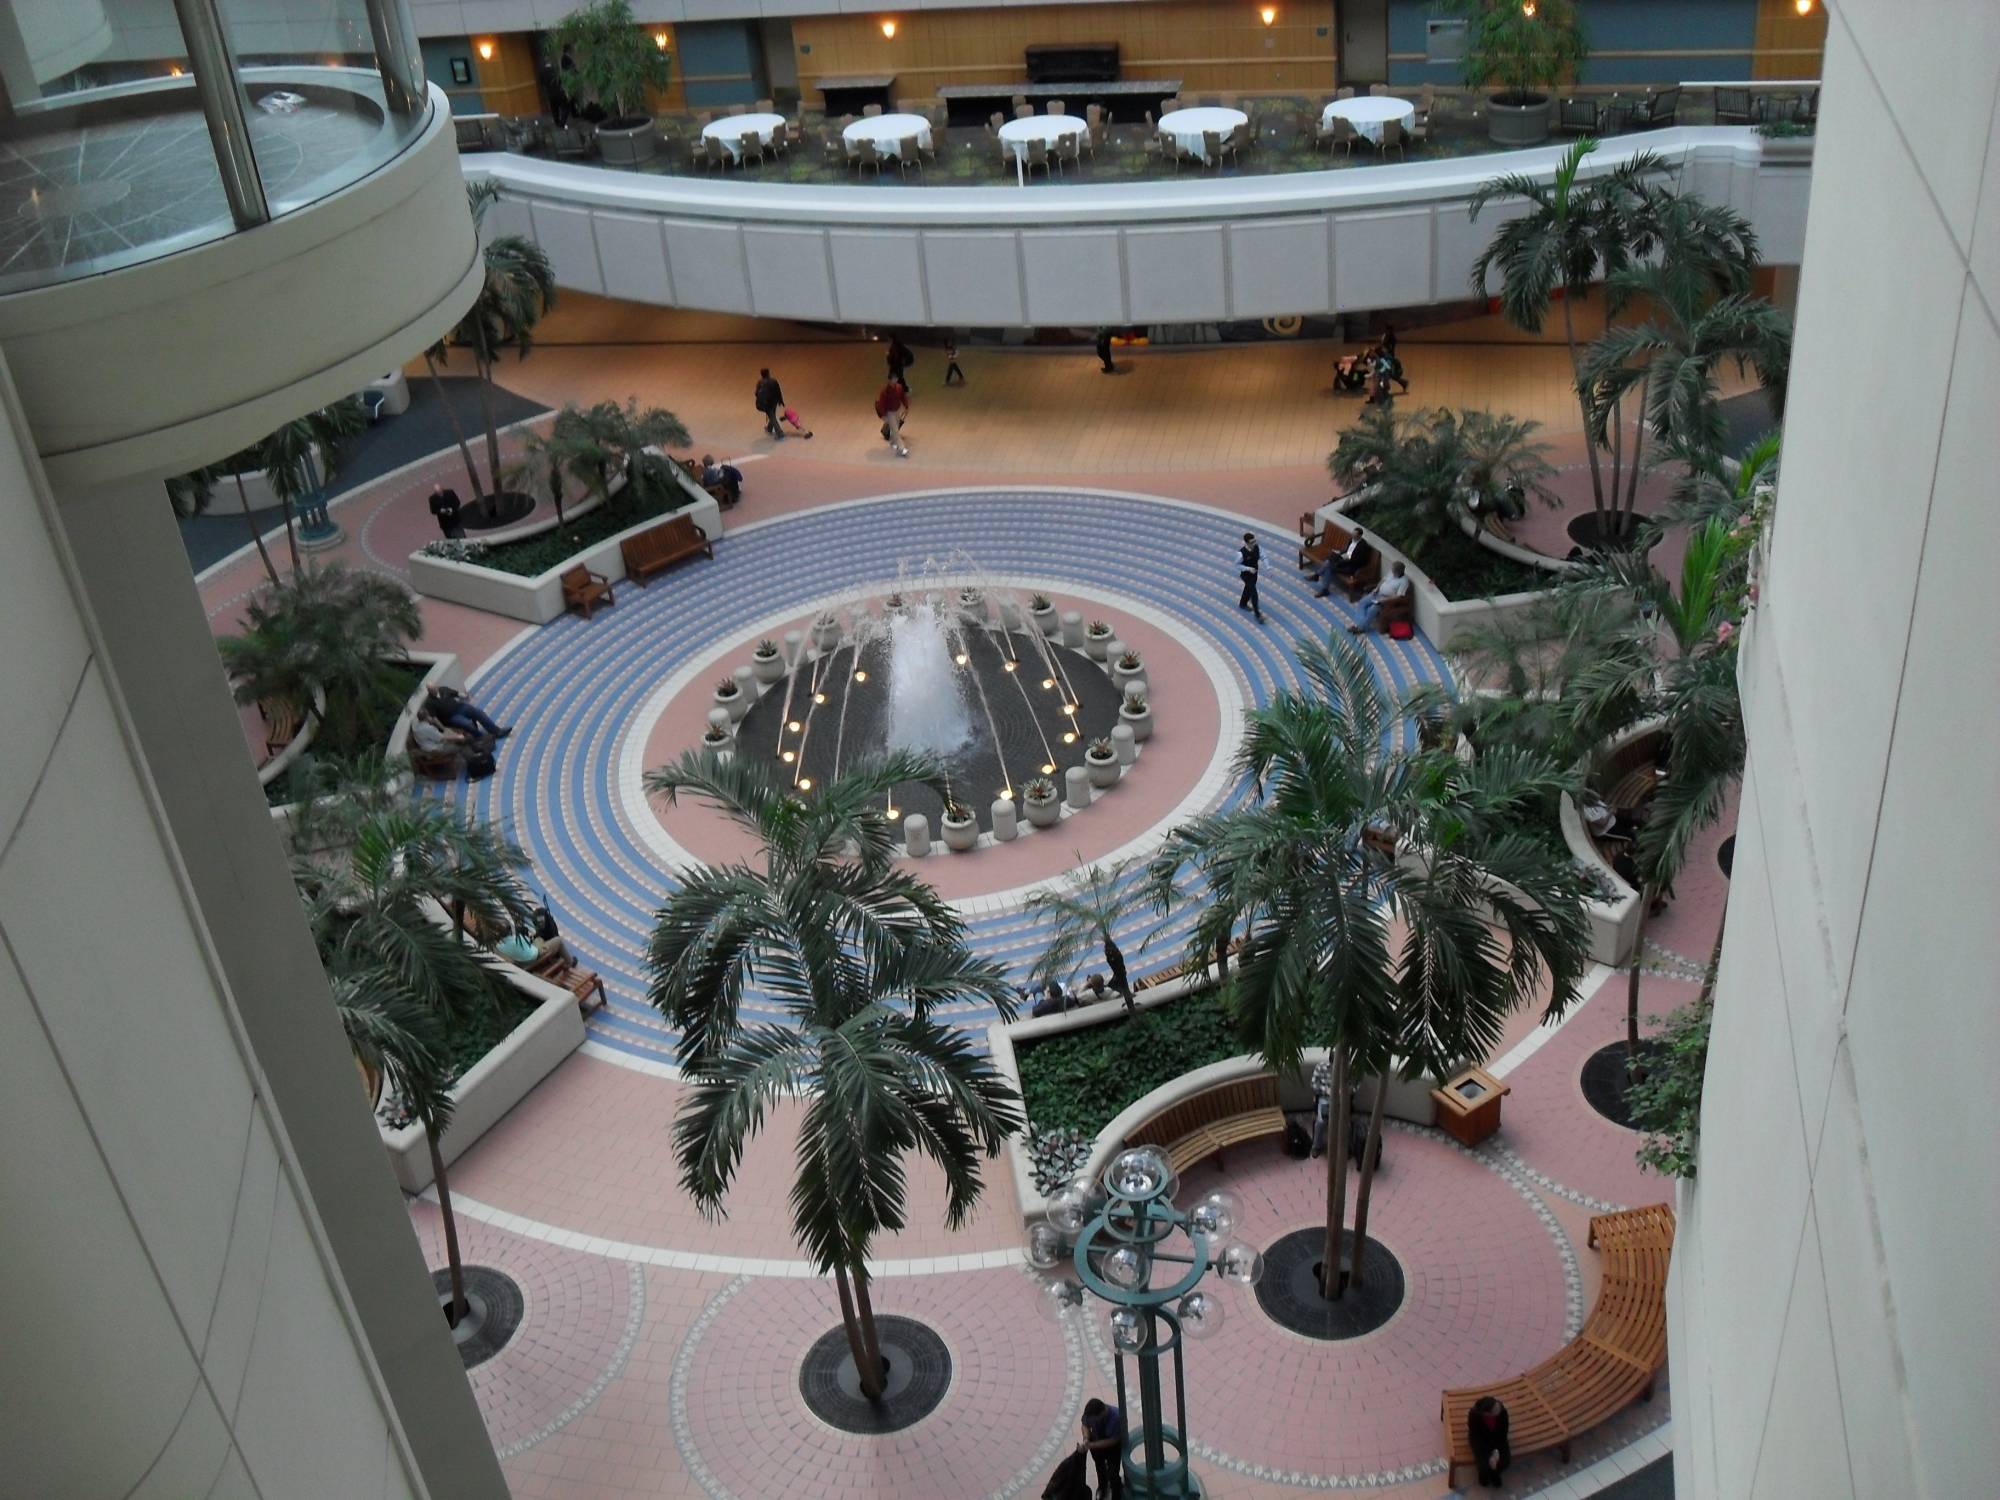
pixel 892 405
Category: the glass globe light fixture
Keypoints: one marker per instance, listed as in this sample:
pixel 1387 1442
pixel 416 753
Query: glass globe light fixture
pixel 1241 1262
pixel 1068 1209
pixel 1059 1300
pixel 1125 1268
pixel 1045 1244
pixel 1140 1172
pixel 1214 1215
pixel 1128 1331
pixel 1200 1314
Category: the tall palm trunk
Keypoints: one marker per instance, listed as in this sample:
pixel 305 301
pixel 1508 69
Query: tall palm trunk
pixel 1583 404
pixel 1714 960
pixel 1632 1069
pixel 1370 1149
pixel 243 498
pixel 869 1370
pixel 492 427
pixel 457 432
pixel 457 1309
pixel 291 535
pixel 1331 1282
pixel 1638 447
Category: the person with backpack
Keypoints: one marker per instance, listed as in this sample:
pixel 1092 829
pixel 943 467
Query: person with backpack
pixel 770 400
pixel 892 405
pixel 1104 1441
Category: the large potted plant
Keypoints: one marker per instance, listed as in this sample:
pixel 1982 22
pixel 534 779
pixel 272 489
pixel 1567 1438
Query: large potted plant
pixel 614 63
pixel 1524 49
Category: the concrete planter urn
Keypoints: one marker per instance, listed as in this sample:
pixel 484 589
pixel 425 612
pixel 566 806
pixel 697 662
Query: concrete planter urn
pixel 1043 613
pixel 1100 763
pixel 765 662
pixel 1127 668
pixel 733 699
pixel 972 604
pixel 1041 802
pixel 1518 119
pixel 1097 640
pixel 1136 712
pixel 826 633
pixel 719 742
pixel 627 144
pixel 1010 614
pixel 961 829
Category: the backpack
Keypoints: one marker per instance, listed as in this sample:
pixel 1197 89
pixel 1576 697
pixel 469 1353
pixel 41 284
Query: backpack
pixel 544 923
pixel 479 765
pixel 1400 630
pixel 1068 1481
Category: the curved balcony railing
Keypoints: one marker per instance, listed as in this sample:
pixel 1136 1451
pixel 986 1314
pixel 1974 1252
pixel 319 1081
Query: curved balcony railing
pixel 129 131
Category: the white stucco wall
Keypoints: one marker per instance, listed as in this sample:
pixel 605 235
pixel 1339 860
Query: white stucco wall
pixel 1832 1315
pixel 170 1318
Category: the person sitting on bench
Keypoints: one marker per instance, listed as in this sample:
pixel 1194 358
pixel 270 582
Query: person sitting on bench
pixel 454 710
pixel 1344 566
pixel 1395 586
pixel 725 477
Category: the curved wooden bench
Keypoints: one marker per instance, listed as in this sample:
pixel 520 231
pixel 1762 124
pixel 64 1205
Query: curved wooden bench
pixel 1595 1375
pixel 283 719
pixel 1207 1123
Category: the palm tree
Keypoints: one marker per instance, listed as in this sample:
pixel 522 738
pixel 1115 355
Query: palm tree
pixel 1423 468
pixel 1707 490
pixel 1089 910
pixel 387 883
pixel 333 631
pixel 520 286
pixel 301 456
pixel 858 955
pixel 1311 866
pixel 1574 230
pixel 191 494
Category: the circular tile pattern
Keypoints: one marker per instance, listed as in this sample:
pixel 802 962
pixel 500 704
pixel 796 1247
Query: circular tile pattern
pixel 575 690
pixel 494 1310
pixel 916 1374
pixel 1290 1291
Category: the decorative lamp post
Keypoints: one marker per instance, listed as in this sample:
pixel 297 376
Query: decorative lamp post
pixel 1147 1259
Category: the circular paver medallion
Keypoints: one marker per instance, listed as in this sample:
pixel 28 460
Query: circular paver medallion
pixel 919 1374
pixel 493 1315
pixel 1290 1291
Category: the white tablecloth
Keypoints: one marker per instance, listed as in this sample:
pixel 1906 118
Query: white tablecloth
pixel 731 129
pixel 1049 128
pixel 1188 126
pixel 1367 114
pixel 886 130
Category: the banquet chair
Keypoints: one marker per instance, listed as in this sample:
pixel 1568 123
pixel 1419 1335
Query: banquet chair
pixel 714 153
pixel 1093 137
pixel 1393 138
pixel 832 150
pixel 907 156
pixel 1069 152
pixel 1211 149
pixel 1426 102
pixel 1093 115
pixel 1577 116
pixel 871 110
pixel 994 121
pixel 927 149
pixel 866 155
pixel 1038 156
pixel 1238 139
pixel 1339 94
pixel 1058 107
pixel 749 148
pixel 1377 90
pixel 781 138
pixel 767 106
pixel 1227 101
pixel 1024 111
pixel 1168 106
pixel 1018 100
pixel 1344 133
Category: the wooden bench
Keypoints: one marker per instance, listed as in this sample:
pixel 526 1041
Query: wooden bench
pixel 584 590
pixel 717 492
pixel 1330 541
pixel 662 546
pixel 1595 1375
pixel 436 765
pixel 282 722
pixel 1207 1123
pixel 580 982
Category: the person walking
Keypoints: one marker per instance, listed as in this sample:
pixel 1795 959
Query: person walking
pixel 1486 1428
pixel 445 507
pixel 951 362
pixel 770 401
pixel 1249 558
pixel 900 360
pixel 1104 352
pixel 892 405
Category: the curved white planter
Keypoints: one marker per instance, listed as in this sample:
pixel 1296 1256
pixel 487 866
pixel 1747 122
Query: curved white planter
pixel 442 669
pixel 282 762
pixel 1614 925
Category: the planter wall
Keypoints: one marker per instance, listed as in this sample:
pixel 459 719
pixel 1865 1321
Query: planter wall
pixel 1614 925
pixel 280 763
pixel 496 1083
pixel 1556 567
pixel 545 518
pixel 539 600
pixel 1442 620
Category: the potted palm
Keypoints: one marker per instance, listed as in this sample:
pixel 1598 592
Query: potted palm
pixel 717 741
pixel 1126 666
pixel 765 662
pixel 1042 610
pixel 1525 50
pixel 1100 762
pixel 826 631
pixel 1044 806
pixel 961 829
pixel 615 64
pixel 972 603
pixel 1137 712
pixel 1097 639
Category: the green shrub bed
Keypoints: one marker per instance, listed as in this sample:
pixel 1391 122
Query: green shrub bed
pixel 1459 566
pixel 535 555
pixel 1080 1080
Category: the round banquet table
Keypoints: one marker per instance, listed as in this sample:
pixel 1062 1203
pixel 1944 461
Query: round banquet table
pixel 731 129
pixel 1050 128
pixel 887 130
pixel 1187 126
pixel 1368 113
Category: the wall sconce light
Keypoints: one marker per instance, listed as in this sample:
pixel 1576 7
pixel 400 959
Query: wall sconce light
pixel 1803 7
pixel 1269 14
pixel 888 28
pixel 485 50
pixel 660 40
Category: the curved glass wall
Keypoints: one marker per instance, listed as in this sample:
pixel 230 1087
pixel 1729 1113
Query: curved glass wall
pixel 130 129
